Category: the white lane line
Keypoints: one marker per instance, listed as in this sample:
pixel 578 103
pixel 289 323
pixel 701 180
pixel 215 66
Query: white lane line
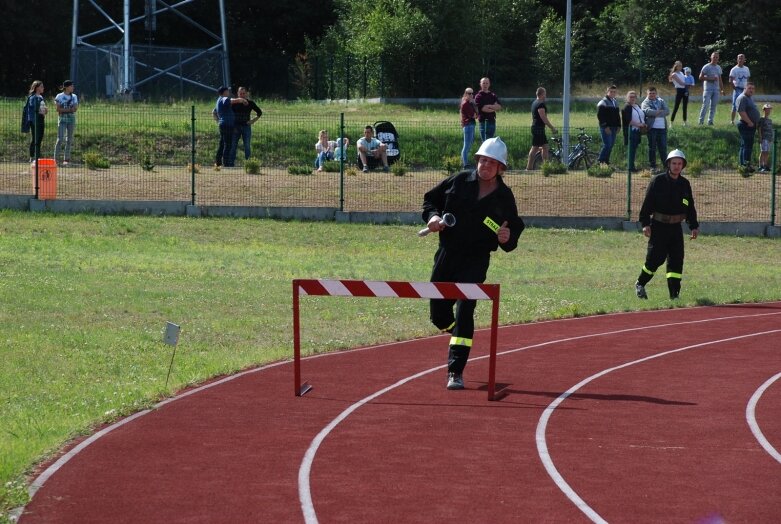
pixel 542 446
pixel 304 471
pixel 752 419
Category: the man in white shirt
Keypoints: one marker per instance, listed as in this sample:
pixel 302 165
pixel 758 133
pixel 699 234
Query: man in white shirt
pixel 370 150
pixel 738 75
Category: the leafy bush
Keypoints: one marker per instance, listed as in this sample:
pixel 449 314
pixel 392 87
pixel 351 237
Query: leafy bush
pixel 351 171
pixel 148 162
pixel 399 169
pixel 600 170
pixel 745 171
pixel 695 168
pixel 193 168
pixel 95 160
pixel 299 170
pixel 451 164
pixel 252 166
pixel 553 167
pixel 331 167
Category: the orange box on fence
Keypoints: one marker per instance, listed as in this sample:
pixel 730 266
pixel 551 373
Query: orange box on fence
pixel 47 178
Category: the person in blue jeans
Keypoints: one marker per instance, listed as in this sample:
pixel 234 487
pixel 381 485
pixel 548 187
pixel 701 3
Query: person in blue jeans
pixel 487 105
pixel 712 87
pixel 244 123
pixel 468 115
pixel 609 117
pixel 633 123
pixel 656 111
pixel 227 122
pixel 747 126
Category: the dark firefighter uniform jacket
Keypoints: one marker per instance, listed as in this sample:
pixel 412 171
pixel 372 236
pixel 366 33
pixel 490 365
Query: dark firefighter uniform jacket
pixel 670 197
pixel 476 220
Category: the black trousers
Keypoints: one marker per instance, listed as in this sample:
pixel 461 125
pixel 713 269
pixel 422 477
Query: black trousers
pixel 681 95
pixel 666 243
pixel 457 267
pixel 36 137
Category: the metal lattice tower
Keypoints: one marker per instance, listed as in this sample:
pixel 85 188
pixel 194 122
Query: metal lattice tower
pixel 127 68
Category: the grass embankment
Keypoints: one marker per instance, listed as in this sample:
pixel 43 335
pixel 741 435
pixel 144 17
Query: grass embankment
pixel 127 134
pixel 83 301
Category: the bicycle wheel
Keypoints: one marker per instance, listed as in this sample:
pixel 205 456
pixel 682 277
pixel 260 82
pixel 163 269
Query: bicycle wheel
pixel 585 160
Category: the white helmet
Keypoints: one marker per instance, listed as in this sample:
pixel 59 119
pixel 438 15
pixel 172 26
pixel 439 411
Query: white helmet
pixel 675 153
pixel 494 148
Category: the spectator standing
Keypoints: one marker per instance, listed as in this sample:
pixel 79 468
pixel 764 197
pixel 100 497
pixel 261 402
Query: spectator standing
pixel 678 80
pixel 468 114
pixel 325 149
pixel 67 103
pixel 242 113
pixel 227 121
pixel 668 202
pixel 656 111
pixel 486 218
pixel 633 123
pixel 712 87
pixel 539 122
pixel 487 106
pixel 739 76
pixel 36 113
pixel 765 138
pixel 609 117
pixel 747 126
pixel 371 148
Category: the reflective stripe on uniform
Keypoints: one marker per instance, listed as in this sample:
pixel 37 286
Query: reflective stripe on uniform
pixel 685 201
pixel 675 275
pixel 648 271
pixel 461 341
pixel 450 327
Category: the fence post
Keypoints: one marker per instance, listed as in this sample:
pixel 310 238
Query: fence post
pixel 628 184
pixel 773 180
pixel 192 155
pixel 342 154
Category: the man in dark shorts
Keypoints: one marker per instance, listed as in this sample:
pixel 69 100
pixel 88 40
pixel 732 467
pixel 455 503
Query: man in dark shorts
pixel 539 122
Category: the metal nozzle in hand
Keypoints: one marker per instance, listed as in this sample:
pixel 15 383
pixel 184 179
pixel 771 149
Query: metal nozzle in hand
pixel 449 219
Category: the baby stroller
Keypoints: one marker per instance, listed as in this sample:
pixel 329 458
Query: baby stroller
pixel 386 133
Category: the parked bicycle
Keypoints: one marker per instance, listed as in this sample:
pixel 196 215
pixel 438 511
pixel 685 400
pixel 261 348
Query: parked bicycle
pixel 580 157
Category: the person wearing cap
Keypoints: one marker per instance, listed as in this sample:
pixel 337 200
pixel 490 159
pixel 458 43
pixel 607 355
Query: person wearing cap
pixel 486 218
pixel 765 127
pixel 223 113
pixel 67 103
pixel 668 202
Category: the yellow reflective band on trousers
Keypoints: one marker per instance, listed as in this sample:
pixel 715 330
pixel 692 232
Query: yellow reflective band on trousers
pixel 460 341
pixel 493 226
pixel 675 275
pixel 646 270
pixel 451 326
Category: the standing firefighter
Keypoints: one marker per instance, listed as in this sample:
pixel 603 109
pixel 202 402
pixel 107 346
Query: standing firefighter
pixel 486 218
pixel 668 202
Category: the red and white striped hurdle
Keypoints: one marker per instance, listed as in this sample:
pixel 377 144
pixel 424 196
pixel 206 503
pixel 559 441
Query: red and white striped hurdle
pixel 369 288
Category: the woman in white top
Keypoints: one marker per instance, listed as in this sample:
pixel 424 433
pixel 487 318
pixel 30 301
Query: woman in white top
pixel 324 148
pixel 633 123
pixel 678 79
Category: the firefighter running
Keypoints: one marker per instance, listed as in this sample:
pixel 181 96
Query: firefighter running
pixel 668 202
pixel 486 218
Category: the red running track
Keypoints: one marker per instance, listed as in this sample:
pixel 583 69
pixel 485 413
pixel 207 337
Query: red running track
pixel 666 416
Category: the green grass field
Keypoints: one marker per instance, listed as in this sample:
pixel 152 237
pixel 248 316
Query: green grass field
pixel 84 299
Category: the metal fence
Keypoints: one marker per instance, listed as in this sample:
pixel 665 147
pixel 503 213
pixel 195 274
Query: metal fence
pixel 151 153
